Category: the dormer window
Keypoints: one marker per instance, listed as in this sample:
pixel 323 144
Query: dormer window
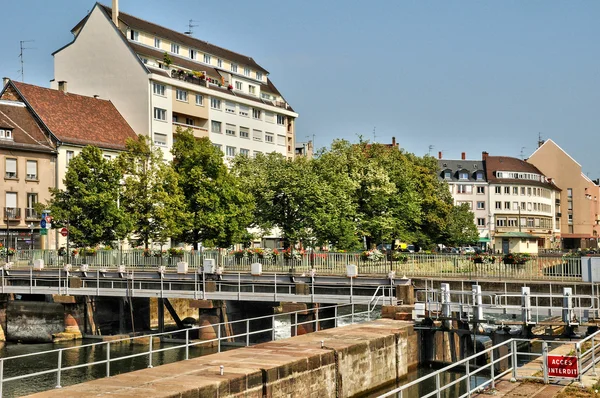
pixel 479 175
pixel 447 174
pixel 463 175
pixel 6 134
pixel 134 35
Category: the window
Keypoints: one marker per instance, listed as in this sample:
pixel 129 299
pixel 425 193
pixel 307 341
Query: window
pixel 230 107
pixel 234 68
pixel 479 176
pixel 507 190
pixel 11 168
pixel 256 113
pixel 480 190
pixel 156 42
pixel 230 129
pixel 189 121
pixel 160 139
pixel 199 100
pixel 569 192
pixel 206 59
pixel 463 175
pixel 515 205
pixel 570 218
pixel 280 119
pixel 512 222
pixel 134 35
pixel 498 190
pixel 175 48
pixel 447 175
pixel 32 173
pixel 218 146
pixel 70 155
pixel 528 206
pixel 506 205
pixel 522 190
pixel 160 114
pixel 245 152
pixel 215 126
pixel 280 139
pixel 251 89
pixel 193 54
pixel 158 89
pixel 481 222
pixel 515 190
pixel 181 95
pixel 107 157
pixel 238 86
pixel 468 203
pixel 256 153
pixel 258 76
pixel 529 191
pixel 219 62
pixel 246 71
pixel 32 199
pixel 257 135
pixel 244 132
pixel 480 205
pixel 464 188
pixel 6 134
pixel 530 222
pixel 535 206
pixel 215 103
pixel 11 203
pixel 570 205
pixel 244 110
pixel 501 222
pixel 523 205
pixel 498 205
pixel 270 138
pixel 230 151
pixel 534 192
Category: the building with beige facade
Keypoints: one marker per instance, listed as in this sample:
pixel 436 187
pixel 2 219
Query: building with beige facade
pixel 161 80
pixel 47 128
pixel 578 210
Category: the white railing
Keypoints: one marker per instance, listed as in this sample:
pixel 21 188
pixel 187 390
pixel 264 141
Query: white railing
pixel 338 318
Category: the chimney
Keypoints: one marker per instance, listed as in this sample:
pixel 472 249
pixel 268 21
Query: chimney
pixel 115 12
pixel 463 155
pixel 5 81
pixel 62 86
pixel 96 96
pixel 439 154
pixel 393 141
pixel 484 155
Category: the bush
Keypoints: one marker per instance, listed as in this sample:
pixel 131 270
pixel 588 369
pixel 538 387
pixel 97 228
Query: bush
pixel 372 255
pixel 175 252
pixel 483 259
pixel 516 258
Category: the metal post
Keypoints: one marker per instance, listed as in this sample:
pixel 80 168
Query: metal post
pixel 97 282
pixel 545 361
pixel 578 353
pixel 352 293
pixel 31 280
pixel 567 312
pixel 445 296
pixel 203 283
pixel 218 337
pixel 59 281
pixel 195 284
pixel 593 356
pixel 187 344
pixel 437 386
pixel 492 370
pixel 239 286
pixel 312 290
pixel 513 349
pixel 58 369
pixel 275 282
pixel 526 305
pixel 296 324
pixel 335 315
pixel 247 333
pixel 317 318
pixel 477 303
pixel 108 359
pixel 1 376
pixel 150 353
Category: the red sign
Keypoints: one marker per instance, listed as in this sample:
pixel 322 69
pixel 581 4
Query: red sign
pixel 64 232
pixel 562 366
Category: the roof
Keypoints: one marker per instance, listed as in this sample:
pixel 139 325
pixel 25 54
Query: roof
pixel 77 119
pixel 506 163
pixel 455 166
pixel 171 35
pixel 549 141
pixel 516 235
pixel 26 132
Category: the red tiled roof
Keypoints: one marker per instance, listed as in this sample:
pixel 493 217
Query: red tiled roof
pixel 160 31
pixel 26 132
pixel 78 119
pixel 506 163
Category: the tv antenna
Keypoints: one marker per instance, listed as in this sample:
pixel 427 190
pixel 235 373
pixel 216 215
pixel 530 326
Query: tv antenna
pixel 374 136
pixel 21 43
pixel 522 152
pixel 191 27
pixel 430 149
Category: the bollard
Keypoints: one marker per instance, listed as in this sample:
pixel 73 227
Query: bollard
pixel 445 297
pixel 567 311
pixel 477 303
pixel 526 305
pixel 221 369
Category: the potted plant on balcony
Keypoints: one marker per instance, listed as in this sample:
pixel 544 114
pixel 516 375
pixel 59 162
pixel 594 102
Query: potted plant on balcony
pixel 167 59
pixel 175 252
pixel 230 87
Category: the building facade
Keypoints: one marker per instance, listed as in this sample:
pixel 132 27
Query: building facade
pixel 162 80
pixel 578 210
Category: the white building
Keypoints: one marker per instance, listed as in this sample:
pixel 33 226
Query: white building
pixel 160 80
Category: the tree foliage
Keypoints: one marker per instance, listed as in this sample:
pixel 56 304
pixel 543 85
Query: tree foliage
pixel 89 202
pixel 461 229
pixel 220 209
pixel 152 196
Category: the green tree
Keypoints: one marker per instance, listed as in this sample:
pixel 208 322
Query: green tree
pixel 220 209
pixel 151 196
pixel 89 201
pixel 461 229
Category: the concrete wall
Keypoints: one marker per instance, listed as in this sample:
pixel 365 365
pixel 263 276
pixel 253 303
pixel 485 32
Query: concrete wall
pixel 33 321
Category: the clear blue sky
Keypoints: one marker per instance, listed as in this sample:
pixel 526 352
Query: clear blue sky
pixel 459 75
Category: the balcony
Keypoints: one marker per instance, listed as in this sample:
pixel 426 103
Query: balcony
pixel 12 213
pixel 31 214
pixel 558 214
pixel 198 131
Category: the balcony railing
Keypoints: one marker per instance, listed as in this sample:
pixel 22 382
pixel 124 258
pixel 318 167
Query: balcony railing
pixel 12 213
pixel 31 214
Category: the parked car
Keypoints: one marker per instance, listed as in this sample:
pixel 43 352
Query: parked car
pixel 467 250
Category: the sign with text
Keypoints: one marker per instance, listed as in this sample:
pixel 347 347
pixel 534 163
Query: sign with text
pixel 562 366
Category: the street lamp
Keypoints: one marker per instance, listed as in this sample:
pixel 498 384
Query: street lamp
pixel 31 225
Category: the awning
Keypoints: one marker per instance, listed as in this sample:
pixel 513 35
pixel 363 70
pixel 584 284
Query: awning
pixel 484 239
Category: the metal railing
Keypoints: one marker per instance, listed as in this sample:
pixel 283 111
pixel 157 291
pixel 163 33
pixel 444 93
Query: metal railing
pixel 224 332
pixel 543 267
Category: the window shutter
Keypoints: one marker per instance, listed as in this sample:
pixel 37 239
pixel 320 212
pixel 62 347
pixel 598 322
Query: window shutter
pixel 11 166
pixel 31 168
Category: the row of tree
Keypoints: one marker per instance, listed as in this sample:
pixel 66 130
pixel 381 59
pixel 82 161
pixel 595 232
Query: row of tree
pixel 350 195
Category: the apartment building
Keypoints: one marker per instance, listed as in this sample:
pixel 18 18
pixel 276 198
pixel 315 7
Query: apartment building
pixel 578 210
pixel 47 128
pixel 468 185
pixel 522 205
pixel 162 80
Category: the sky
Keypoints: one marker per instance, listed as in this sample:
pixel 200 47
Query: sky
pixel 453 76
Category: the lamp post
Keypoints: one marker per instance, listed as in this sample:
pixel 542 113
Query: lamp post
pixel 31 225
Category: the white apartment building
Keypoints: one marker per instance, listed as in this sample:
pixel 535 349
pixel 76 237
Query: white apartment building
pixel 161 80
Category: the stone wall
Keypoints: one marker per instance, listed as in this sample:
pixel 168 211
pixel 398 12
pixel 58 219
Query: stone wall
pixel 33 321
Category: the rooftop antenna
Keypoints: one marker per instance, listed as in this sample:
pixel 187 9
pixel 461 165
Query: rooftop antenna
pixel 22 71
pixel 374 136
pixel 191 27
pixel 540 141
pixel 522 152
pixel 430 149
